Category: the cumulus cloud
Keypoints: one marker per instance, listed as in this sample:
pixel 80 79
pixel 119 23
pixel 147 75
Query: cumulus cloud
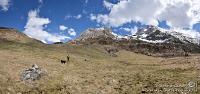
pixel 131 30
pixel 70 31
pixel 35 29
pixel 177 13
pixel 63 28
pixel 4 4
pixel 189 32
pixel 107 4
pixel 131 10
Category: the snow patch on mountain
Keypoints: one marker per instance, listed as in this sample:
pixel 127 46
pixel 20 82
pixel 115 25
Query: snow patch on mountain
pixel 155 34
pixel 151 34
pixel 186 37
pixel 153 41
pixel 119 37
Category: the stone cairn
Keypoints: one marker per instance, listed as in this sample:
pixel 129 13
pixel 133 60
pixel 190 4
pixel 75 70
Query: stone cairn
pixel 33 73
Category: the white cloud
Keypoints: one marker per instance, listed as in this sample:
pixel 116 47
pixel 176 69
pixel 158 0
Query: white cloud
pixel 35 29
pixel 131 30
pixel 93 17
pixel 177 13
pixel 190 33
pixel 75 17
pixel 63 28
pixel 107 4
pixel 71 32
pixel 78 16
pixel 4 4
pixel 133 10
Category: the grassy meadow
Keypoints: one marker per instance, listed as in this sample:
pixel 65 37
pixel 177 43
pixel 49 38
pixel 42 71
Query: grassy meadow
pixel 93 71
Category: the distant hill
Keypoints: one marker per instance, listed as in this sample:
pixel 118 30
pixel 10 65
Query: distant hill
pixel 5 28
pixel 12 35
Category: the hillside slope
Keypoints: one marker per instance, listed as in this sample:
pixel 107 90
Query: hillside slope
pixel 91 70
pixel 10 34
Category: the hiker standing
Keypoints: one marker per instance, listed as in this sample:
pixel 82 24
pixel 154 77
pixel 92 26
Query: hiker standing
pixel 68 58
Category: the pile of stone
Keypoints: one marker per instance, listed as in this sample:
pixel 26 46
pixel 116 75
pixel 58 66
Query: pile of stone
pixel 112 51
pixel 33 73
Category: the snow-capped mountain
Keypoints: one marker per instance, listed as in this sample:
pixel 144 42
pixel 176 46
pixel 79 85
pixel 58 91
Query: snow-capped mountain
pixel 151 34
pixel 184 37
pixel 119 37
pixel 150 40
pixel 155 34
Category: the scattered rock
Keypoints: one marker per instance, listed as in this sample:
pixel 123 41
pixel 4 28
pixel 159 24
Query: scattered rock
pixel 113 55
pixel 33 73
pixel 112 51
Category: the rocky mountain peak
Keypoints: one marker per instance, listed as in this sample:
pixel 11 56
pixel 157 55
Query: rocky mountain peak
pixel 185 38
pixel 155 34
pixel 96 33
pixel 147 30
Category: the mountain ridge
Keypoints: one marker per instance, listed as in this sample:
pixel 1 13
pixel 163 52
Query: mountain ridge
pixel 149 40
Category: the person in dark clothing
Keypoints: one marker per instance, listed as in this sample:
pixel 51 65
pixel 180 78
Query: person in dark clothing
pixel 68 58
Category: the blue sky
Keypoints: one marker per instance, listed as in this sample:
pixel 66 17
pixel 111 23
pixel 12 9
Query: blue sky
pixel 57 12
pixel 75 16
